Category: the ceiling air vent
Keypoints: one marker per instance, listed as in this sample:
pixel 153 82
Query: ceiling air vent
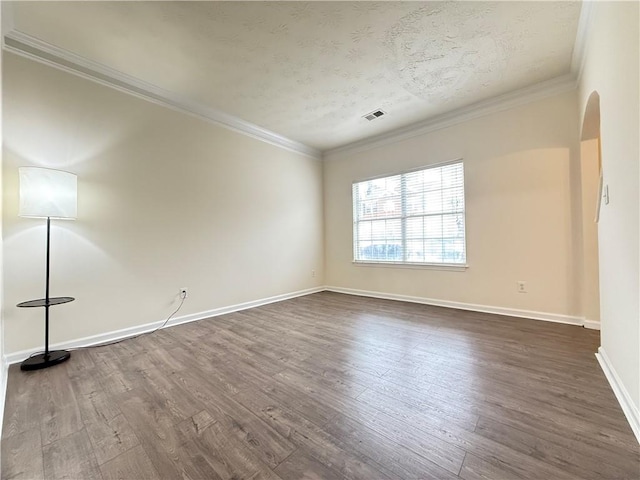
pixel 374 115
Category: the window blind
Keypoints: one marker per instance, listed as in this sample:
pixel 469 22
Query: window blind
pixel 414 217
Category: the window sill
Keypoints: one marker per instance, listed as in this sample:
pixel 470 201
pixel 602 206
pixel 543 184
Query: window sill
pixel 452 267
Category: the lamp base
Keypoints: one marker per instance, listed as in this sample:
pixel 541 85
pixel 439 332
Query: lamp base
pixel 45 360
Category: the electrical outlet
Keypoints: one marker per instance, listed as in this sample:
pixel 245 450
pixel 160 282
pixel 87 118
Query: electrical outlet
pixel 183 292
pixel 522 286
pixel 313 273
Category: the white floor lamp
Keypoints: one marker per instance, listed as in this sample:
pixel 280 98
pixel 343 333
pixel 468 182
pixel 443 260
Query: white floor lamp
pixel 46 193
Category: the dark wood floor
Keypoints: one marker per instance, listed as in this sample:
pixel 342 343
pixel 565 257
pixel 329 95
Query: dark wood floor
pixel 321 387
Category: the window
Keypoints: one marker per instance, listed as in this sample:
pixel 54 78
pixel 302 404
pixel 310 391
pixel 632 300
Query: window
pixel 414 218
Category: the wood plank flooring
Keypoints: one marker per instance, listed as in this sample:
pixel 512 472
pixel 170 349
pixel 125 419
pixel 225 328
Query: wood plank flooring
pixel 326 386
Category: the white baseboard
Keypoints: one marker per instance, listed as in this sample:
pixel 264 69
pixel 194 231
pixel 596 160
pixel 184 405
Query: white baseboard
pixel 629 408
pixel 549 317
pixel 591 324
pixel 137 330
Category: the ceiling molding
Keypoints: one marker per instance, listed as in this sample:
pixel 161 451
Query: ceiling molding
pixel 506 101
pixel 580 46
pixel 30 47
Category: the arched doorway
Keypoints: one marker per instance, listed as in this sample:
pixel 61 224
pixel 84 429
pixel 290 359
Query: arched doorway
pixel 590 183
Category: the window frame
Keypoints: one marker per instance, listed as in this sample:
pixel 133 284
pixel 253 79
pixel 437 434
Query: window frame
pixel 405 264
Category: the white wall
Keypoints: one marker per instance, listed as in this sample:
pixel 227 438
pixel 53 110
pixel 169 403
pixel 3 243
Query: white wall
pixel 611 69
pixel 520 165
pixel 165 201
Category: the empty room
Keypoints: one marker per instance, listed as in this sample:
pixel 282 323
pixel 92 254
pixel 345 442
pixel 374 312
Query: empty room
pixel 320 240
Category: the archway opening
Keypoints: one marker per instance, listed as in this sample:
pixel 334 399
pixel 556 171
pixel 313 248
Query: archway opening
pixel 590 183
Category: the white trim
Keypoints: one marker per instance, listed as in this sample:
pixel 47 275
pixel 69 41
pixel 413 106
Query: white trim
pixel 43 52
pixel 30 47
pixel 451 267
pixel 626 402
pixel 137 330
pixel 548 317
pixel 591 324
pixel 580 45
pixel 506 101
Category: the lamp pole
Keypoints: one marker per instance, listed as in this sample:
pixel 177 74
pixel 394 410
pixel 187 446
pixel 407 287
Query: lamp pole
pixel 46 296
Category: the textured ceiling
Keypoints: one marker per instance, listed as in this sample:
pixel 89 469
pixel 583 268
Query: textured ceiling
pixel 309 71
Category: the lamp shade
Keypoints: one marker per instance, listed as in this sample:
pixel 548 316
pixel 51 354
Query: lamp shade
pixel 48 193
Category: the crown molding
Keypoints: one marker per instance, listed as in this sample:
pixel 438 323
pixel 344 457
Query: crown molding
pixel 496 104
pixel 580 45
pixel 30 47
